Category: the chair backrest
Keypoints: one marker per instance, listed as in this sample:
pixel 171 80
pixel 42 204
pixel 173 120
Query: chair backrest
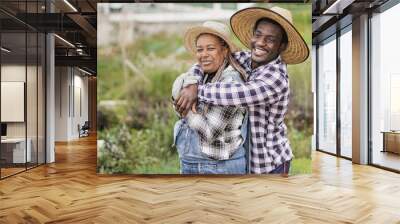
pixel 86 125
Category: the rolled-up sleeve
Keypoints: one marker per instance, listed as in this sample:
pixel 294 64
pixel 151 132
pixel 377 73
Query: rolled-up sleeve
pixel 196 70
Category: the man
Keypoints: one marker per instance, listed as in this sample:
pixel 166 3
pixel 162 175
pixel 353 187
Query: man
pixel 274 42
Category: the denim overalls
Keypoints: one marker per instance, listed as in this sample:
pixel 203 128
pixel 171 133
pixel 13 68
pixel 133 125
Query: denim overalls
pixel 193 161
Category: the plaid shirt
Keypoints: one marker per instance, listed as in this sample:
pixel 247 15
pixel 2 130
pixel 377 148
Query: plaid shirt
pixel 219 127
pixel 266 95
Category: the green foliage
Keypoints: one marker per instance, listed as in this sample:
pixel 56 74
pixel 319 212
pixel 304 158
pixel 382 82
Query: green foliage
pixel 300 140
pixel 113 156
pixel 110 77
pixel 147 150
pixel 108 117
pixel 300 166
pixel 169 165
pixel 160 44
pixel 147 117
pixel 161 79
pixel 301 99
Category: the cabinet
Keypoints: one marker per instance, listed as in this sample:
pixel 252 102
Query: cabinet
pixel 13 150
pixel 391 141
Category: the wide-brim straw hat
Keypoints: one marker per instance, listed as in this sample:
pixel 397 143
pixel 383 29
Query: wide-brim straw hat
pixel 210 27
pixel 243 21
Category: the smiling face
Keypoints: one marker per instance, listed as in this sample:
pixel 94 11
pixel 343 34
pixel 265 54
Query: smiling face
pixel 266 43
pixel 210 52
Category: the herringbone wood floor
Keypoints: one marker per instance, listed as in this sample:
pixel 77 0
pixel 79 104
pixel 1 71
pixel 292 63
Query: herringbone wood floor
pixel 69 191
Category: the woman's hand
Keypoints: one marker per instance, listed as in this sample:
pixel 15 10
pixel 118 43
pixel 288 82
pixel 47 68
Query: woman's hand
pixel 187 99
pixel 194 108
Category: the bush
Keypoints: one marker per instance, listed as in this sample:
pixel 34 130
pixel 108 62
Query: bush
pixel 136 150
pixel 300 141
pixel 138 136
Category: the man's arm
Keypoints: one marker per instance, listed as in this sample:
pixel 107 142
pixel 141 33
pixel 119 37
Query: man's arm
pixel 196 70
pixel 244 60
pixel 267 88
pixel 188 96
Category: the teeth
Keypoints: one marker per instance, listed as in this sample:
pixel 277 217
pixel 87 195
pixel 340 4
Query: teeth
pixel 259 51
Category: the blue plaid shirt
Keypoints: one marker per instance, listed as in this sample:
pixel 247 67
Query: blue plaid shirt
pixel 266 95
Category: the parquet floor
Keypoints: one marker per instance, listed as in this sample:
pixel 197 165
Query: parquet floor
pixel 9 171
pixel 69 191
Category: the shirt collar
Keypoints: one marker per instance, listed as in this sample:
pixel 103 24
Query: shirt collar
pixel 276 61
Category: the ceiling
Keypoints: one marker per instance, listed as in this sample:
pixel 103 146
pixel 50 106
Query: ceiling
pixel 74 21
pixel 328 16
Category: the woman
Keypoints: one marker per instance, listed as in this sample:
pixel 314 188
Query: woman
pixel 211 140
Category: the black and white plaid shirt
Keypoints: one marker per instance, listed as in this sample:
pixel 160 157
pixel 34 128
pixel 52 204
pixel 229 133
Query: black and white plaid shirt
pixel 266 95
pixel 219 128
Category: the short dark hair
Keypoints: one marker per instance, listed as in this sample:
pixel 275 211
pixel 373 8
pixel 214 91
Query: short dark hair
pixel 268 20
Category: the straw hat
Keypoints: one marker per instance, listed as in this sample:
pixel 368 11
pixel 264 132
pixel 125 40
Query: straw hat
pixel 211 27
pixel 243 21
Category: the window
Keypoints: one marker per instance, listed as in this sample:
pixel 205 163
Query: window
pixel 22 80
pixel 327 96
pixel 346 92
pixel 385 84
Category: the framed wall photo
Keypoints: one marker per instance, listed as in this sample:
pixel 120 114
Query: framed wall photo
pixel 12 101
pixel 145 54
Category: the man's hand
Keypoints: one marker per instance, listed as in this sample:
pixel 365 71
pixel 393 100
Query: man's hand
pixel 187 98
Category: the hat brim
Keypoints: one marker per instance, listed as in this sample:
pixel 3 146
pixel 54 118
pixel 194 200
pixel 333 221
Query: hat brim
pixel 192 33
pixel 243 21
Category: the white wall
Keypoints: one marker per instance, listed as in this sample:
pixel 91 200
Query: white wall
pixel 61 103
pixel 14 73
pixel 81 84
pixel 12 101
pixel 70 83
pixel 33 126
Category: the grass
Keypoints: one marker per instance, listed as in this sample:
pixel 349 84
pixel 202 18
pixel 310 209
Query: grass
pixel 169 166
pixel 300 166
pixel 110 78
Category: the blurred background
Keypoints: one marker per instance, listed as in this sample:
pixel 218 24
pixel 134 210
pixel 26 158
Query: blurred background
pixel 140 53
